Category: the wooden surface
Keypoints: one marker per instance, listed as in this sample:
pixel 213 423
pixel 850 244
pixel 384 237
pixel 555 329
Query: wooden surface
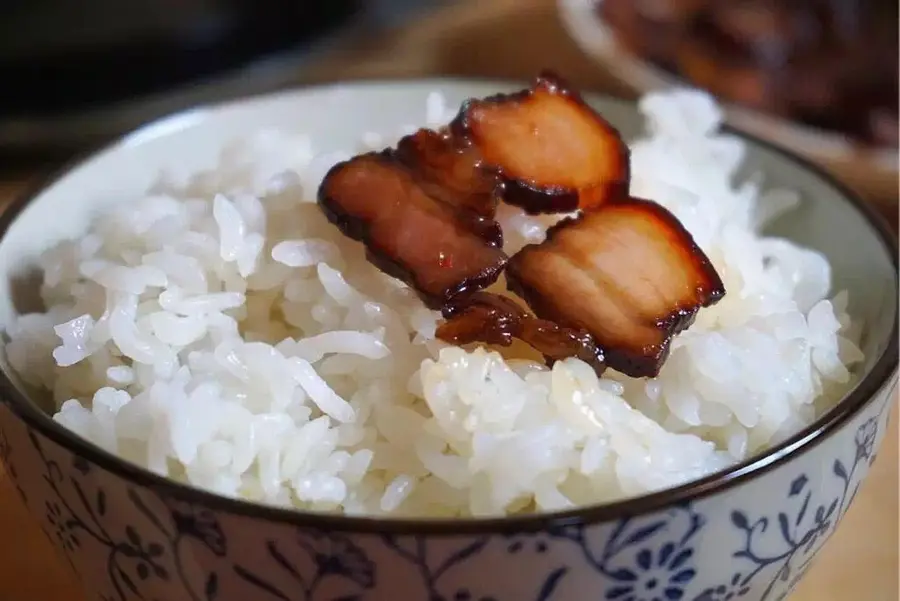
pixel 497 38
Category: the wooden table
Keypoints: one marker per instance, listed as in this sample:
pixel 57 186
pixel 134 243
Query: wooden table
pixel 483 37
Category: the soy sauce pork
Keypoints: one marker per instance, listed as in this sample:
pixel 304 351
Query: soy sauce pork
pixel 450 172
pixel 496 319
pixel 628 273
pixel 553 152
pixel 408 234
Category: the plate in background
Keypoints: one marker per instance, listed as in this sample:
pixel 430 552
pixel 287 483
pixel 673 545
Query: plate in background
pixel 874 172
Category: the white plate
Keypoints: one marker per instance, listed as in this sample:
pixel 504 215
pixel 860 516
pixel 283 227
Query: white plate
pixel 871 171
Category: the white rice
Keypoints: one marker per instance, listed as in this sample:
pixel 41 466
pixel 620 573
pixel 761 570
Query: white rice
pixel 220 332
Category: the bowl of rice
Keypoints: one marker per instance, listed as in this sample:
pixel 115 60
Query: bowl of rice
pixel 210 394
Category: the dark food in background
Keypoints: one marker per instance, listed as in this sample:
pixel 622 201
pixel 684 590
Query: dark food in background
pixel 831 64
pixel 553 152
pixel 497 319
pixel 628 273
pixel 611 286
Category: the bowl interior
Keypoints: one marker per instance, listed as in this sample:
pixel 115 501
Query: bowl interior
pixel 862 259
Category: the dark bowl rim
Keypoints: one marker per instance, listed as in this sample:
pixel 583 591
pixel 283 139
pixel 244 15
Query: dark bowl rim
pixel 865 391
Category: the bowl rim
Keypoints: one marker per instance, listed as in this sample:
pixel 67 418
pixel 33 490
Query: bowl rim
pixel 881 375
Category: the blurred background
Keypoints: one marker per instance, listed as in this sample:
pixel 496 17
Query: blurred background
pixel 817 76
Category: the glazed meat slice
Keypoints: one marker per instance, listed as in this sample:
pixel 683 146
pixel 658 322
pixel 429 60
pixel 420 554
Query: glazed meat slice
pixel 407 233
pixel 553 152
pixel 450 172
pixel 611 286
pixel 628 273
pixel 496 319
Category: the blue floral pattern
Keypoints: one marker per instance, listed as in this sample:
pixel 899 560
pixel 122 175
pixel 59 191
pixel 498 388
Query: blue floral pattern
pixel 324 556
pixel 156 548
pixel 434 568
pixel 648 559
pixel 415 550
pixel 778 549
pixel 132 556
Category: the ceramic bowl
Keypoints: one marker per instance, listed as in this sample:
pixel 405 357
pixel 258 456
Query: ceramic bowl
pixel 749 532
pixel 871 171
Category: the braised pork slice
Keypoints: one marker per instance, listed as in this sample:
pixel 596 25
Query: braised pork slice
pixel 450 172
pixel 627 273
pixel 554 153
pixel 408 234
